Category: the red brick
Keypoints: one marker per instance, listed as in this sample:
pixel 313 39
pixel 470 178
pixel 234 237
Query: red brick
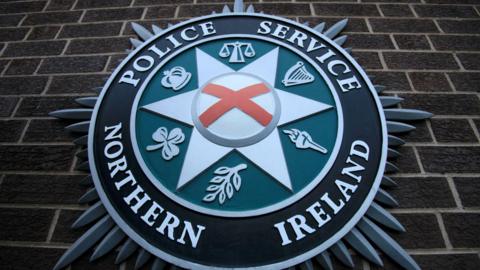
pixel 445 11
pixel 346 10
pixel 463 229
pixel 98 45
pixel 22 7
pixel 17 224
pixel 13 258
pixel 417 60
pixel 403 25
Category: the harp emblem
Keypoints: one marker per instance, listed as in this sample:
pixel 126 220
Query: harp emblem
pixel 297 74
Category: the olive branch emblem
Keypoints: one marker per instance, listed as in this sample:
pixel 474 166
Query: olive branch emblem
pixel 223 184
pixel 167 141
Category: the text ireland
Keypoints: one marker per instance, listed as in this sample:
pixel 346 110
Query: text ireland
pixel 300 225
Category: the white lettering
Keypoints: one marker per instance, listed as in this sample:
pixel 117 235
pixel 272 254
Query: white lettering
pixel 127 77
pixel 194 237
pixel 335 207
pixel 345 188
pixel 138 201
pixel 349 84
pixel 207 28
pixel 319 215
pixel 159 52
pixel 355 151
pixel 283 234
pixel 299 225
pixel 281 31
pixel 152 213
pixel 145 59
pixel 298 37
pixel 337 63
pixel 170 223
pixel 264 27
pixel 184 35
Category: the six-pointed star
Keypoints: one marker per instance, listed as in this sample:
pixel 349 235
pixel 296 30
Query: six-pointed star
pixel 267 153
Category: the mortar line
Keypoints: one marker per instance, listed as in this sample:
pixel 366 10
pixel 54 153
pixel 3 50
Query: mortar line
pixel 20 100
pixel 430 129
pixel 409 80
pixel 144 13
pixel 443 231
pixel 419 161
pixel 37 144
pixel 72 8
pixel 29 32
pixel 437 175
pixel 57 35
pixel 475 129
pixel 122 29
pixel 415 15
pixel 107 64
pixel 78 94
pixel 394 41
pixel 177 11
pixel 455 194
pixel 453 144
pixel 438 26
pixel 382 60
pixel 44 173
pixel 377 5
pixel 434 211
pixel 438 251
pixel 7 66
pixel 34 244
pixel 47 85
pixel 369 27
pixel 430 43
pixel 74 162
pixel 73 206
pixel 478 12
pixel 67 44
pixel 82 16
pixel 20 23
pixel 53 224
pixel 24 131
pixel 450 83
pixel 462 68
pixel 38 67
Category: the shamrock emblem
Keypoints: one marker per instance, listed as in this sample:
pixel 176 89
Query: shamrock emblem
pixel 167 142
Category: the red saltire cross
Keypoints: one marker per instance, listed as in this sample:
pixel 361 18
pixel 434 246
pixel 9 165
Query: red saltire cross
pixel 240 99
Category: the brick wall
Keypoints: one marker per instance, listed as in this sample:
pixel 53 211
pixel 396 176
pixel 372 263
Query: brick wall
pixel 426 51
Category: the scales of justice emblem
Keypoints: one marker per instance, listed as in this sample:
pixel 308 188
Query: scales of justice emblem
pixel 218 147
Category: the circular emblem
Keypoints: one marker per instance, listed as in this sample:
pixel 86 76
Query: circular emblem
pixel 236 110
pixel 258 146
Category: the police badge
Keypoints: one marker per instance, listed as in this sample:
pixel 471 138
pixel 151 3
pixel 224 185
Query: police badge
pixel 240 140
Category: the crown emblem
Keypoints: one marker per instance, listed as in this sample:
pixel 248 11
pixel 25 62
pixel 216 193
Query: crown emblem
pixel 176 78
